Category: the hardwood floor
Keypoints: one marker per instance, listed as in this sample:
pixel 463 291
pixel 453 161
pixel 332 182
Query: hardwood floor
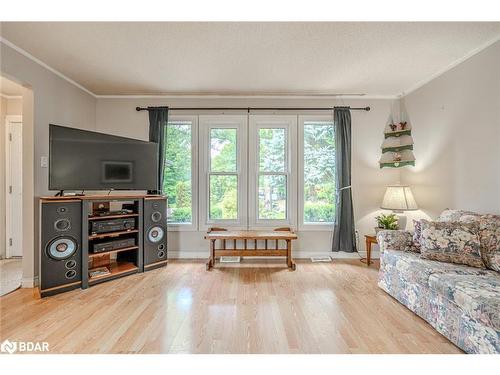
pixel 319 308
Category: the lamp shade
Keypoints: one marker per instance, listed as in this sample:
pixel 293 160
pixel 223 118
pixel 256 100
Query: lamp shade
pixel 399 198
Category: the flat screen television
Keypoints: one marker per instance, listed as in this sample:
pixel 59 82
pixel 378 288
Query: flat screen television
pixel 86 160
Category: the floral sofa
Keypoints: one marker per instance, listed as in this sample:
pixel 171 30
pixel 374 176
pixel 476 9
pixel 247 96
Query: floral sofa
pixel 461 302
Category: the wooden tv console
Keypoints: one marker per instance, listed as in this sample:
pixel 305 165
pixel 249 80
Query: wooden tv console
pixel 121 261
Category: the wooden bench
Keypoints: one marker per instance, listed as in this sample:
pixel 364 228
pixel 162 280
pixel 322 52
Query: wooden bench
pixel 271 238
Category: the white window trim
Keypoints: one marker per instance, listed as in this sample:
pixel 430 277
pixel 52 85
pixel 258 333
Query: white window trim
pixel 272 121
pixel 307 226
pixel 206 123
pixel 193 226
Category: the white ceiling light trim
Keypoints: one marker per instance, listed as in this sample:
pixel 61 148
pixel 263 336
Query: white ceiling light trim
pixel 41 63
pixel 449 67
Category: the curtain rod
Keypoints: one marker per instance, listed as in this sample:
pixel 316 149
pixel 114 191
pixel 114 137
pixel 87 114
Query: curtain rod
pixel 248 109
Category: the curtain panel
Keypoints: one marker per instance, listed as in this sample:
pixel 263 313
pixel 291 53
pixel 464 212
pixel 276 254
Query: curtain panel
pixel 344 238
pixel 158 120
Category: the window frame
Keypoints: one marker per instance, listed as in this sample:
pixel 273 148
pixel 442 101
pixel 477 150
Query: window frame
pixel 302 120
pixel 289 123
pixel 206 123
pixel 193 226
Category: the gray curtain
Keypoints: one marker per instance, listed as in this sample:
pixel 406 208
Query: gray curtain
pixel 158 119
pixel 343 234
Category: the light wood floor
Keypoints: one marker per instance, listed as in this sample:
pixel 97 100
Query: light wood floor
pixel 320 308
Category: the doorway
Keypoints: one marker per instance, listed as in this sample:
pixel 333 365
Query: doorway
pixel 14 186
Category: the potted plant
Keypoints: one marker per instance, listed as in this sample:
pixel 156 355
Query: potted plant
pixel 386 222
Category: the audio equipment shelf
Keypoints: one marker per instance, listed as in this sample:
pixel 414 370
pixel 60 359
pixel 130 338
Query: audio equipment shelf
pixel 116 269
pixel 112 216
pixel 93 255
pixel 112 234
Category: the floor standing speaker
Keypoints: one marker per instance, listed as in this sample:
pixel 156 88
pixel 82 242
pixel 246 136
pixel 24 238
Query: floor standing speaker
pixel 60 246
pixel 155 232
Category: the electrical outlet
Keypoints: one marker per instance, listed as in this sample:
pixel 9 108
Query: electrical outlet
pixel 44 162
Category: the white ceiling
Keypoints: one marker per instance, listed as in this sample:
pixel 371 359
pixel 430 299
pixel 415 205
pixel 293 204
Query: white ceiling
pixel 9 88
pixel 250 58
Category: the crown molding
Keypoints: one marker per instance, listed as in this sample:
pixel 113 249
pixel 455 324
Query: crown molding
pixel 41 63
pixel 249 96
pixel 457 62
pixel 10 97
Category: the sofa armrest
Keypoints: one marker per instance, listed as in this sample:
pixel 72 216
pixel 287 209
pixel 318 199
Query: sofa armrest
pixel 401 240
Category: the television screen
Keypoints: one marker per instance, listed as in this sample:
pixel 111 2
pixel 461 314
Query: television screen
pixel 85 160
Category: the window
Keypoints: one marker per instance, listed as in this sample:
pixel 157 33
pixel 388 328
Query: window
pixel 317 162
pixel 180 176
pixel 223 175
pixel 272 170
pixel 278 171
pixel 272 173
pixel 223 179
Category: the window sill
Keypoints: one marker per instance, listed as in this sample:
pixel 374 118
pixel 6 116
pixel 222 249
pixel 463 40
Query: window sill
pixel 320 227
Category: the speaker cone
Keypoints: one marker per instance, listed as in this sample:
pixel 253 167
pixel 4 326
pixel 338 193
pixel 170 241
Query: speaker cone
pixel 61 248
pixel 62 225
pixel 155 234
pixel 156 216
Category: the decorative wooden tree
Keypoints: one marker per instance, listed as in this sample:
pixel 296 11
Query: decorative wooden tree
pixel 397 148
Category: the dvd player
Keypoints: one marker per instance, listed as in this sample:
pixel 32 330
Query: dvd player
pixel 105 226
pixel 113 245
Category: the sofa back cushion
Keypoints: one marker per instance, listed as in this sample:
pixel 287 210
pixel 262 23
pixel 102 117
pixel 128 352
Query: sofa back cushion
pixel 489 236
pixel 458 215
pixel 452 242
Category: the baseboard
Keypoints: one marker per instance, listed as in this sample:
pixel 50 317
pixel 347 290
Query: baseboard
pixel 296 254
pixel 29 282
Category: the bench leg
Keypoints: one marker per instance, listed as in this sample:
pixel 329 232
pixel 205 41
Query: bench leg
pixel 289 260
pixel 211 259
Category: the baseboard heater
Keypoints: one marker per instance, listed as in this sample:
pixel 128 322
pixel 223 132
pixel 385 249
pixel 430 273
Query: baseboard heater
pixel 324 259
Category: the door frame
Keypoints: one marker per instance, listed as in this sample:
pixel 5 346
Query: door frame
pixel 8 120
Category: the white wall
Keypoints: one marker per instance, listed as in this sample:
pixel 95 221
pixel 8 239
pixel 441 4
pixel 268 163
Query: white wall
pixel 8 107
pixel 118 116
pixel 47 99
pixel 456 129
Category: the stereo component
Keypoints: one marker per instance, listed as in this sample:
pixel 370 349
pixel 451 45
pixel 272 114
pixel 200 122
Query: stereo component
pixel 155 232
pixel 60 246
pixel 106 226
pixel 113 245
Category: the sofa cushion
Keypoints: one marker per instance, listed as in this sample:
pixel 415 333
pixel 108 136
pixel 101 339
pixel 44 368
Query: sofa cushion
pixel 489 236
pixel 457 215
pixel 452 242
pixel 413 268
pixel 477 295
